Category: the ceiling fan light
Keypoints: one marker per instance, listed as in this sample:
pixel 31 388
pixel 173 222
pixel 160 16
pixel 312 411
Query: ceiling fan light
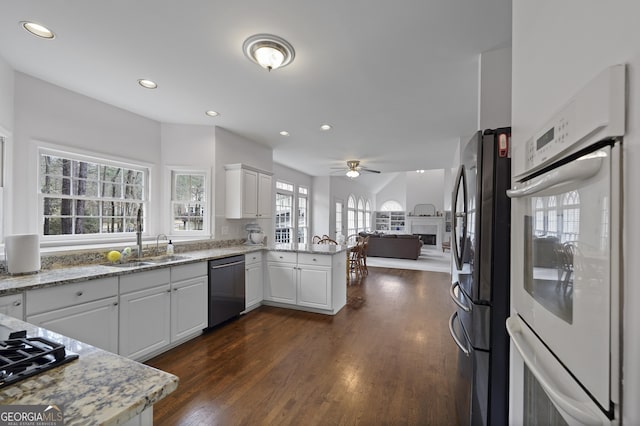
pixel 353 174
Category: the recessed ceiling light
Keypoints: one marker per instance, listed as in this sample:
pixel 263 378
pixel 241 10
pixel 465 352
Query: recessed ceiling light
pixel 325 127
pixel 38 30
pixel 147 83
pixel 211 113
pixel 284 133
pixel 420 171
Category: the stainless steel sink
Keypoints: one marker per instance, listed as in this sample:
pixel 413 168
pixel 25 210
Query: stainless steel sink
pixel 170 258
pixel 130 264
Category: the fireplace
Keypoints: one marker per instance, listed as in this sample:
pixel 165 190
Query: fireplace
pixel 428 239
pixel 429 228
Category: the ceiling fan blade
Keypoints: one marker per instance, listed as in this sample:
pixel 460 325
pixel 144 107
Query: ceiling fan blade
pixel 364 169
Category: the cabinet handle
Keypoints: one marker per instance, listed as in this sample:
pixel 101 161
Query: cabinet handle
pixel 169 291
pixel 175 289
pixel 315 260
pixel 17 303
pixel 80 293
pixel 115 303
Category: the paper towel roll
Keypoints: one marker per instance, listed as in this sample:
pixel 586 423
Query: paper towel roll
pixel 22 253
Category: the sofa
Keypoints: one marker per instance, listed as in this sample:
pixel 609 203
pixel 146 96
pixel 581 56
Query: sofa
pixel 400 246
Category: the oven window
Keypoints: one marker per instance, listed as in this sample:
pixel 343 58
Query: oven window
pixel 538 408
pixel 552 232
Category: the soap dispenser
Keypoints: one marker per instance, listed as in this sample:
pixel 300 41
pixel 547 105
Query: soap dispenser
pixel 170 248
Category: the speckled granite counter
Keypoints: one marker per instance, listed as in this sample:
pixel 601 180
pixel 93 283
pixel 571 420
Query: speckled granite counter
pixel 97 388
pixel 52 277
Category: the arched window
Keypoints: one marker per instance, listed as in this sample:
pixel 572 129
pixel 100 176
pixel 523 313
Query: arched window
pixel 351 216
pixel 391 206
pixel 367 216
pixel 539 214
pixel 552 217
pixel 360 215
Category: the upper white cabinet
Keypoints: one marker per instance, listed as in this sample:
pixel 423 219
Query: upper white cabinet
pixel 248 192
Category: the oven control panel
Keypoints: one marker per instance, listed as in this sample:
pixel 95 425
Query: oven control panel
pixel 552 140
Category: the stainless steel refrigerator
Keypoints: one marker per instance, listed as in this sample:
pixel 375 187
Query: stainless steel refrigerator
pixel 480 278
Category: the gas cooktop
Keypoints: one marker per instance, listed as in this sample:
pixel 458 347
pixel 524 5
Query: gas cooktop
pixel 22 356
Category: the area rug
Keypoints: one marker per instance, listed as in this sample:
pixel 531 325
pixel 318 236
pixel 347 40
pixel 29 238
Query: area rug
pixel 430 259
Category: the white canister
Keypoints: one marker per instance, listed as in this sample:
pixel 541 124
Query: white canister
pixel 22 253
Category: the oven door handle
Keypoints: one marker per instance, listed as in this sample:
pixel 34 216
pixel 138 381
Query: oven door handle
pixel 574 408
pixel 465 349
pixel 579 170
pixel 455 298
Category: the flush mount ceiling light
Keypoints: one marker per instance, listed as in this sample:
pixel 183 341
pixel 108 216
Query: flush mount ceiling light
pixel 37 30
pixel 284 133
pixel 326 127
pixel 148 84
pixel 268 51
pixel 211 113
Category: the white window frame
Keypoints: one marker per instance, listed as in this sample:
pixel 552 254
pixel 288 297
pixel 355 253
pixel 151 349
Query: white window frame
pixel 302 192
pixel 282 188
pixel 367 215
pixel 360 215
pixel 171 172
pixel 339 217
pixel 297 192
pixel 78 155
pixel 352 222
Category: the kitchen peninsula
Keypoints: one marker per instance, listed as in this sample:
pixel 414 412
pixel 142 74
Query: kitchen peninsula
pixel 97 388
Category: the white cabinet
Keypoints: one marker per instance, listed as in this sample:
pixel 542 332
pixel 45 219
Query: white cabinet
pixel 12 305
pixel 86 311
pixel 248 192
pixel 145 300
pixel 315 282
pixel 254 280
pixel 390 221
pixel 189 307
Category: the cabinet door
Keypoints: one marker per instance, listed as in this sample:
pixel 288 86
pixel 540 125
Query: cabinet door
pixel 314 287
pixel 95 323
pixel 281 283
pixel 254 285
pixel 265 198
pixel 145 324
pixel 12 305
pixel 249 193
pixel 188 308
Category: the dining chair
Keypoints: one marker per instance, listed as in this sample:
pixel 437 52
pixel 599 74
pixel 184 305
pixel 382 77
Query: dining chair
pixel 316 239
pixel 327 240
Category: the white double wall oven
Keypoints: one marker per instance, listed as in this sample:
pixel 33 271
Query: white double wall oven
pixel 565 265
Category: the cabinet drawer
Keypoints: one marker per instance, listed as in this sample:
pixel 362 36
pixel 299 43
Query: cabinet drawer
pixel 47 299
pixel 314 259
pixel 141 280
pixel 282 256
pixel 185 272
pixel 251 258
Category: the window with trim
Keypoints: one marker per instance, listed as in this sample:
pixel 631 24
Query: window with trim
pixel 391 206
pixel 352 227
pixel 292 213
pixel 367 216
pixel 189 204
pixel 360 215
pixel 339 206
pixel 80 195
pixel 303 216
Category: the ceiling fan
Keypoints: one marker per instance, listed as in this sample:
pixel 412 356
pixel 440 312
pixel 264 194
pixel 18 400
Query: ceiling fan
pixel 354 169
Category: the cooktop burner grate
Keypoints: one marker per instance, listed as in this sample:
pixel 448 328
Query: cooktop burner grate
pixel 22 357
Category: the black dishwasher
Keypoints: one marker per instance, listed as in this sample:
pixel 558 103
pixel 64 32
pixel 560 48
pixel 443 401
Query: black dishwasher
pixel 226 289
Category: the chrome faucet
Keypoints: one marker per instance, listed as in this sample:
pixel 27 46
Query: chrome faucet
pixel 157 242
pixel 139 232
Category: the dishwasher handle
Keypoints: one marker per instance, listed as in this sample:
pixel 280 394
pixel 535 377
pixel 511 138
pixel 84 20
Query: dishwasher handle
pixel 224 265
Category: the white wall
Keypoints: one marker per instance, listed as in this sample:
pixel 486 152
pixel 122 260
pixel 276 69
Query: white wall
pixel 494 89
pixel 6 99
pixel 287 174
pixel 48 113
pixel 557 48
pixel 425 188
pixel 231 148
pixel 395 190
pixel 323 218
pixel 187 146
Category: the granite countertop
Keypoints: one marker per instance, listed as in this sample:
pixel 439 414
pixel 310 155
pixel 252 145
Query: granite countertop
pixel 97 388
pixel 53 277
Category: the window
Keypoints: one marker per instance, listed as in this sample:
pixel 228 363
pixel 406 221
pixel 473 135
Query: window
pixel 360 215
pixel 81 195
pixel 351 216
pixel 367 216
pixel 189 202
pixel 570 216
pixel 339 229
pixel 303 217
pixel 292 213
pixel 391 206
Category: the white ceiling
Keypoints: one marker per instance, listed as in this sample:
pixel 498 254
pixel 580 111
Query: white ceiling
pixel 397 80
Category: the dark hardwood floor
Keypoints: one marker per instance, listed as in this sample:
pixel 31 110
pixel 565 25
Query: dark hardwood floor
pixel 386 358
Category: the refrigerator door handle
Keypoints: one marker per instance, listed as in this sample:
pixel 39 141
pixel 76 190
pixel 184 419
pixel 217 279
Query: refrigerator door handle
pixel 463 348
pixel 455 299
pixel 460 180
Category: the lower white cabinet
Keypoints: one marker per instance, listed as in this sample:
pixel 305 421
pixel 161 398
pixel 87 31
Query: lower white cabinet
pixel 85 311
pixel 145 300
pixel 12 305
pixel 254 280
pixel 281 282
pixel 314 286
pixel 189 307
